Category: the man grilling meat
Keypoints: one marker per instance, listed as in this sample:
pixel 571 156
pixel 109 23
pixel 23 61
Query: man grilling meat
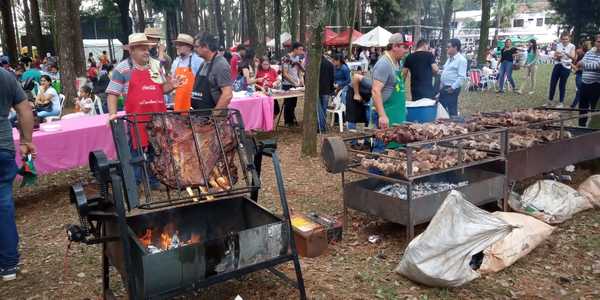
pixel 142 83
pixel 212 88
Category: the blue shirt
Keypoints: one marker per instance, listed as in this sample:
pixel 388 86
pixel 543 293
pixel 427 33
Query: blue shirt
pixel 185 62
pixel 342 75
pixel 455 71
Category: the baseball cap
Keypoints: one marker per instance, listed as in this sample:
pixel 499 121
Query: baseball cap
pixel 398 38
pixel 4 60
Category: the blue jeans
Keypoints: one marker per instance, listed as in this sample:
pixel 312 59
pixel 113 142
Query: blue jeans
pixel 322 112
pixel 506 69
pixel 450 101
pixel 9 238
pixel 52 113
pixel 578 83
pixel 560 75
pixel 378 145
pixel 138 168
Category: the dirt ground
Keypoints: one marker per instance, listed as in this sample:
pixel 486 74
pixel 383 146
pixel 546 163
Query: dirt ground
pixel 561 268
pixel 566 266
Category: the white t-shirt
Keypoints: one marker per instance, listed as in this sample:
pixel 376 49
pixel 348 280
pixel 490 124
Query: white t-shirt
pixel 564 60
pixel 87 104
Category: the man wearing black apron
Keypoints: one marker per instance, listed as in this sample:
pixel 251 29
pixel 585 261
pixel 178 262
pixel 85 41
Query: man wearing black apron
pixel 212 87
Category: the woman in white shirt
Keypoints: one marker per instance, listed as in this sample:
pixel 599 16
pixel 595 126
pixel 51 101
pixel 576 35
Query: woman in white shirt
pixel 563 57
pixel 47 102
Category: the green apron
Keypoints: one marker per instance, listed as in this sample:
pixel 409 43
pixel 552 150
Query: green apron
pixel 395 106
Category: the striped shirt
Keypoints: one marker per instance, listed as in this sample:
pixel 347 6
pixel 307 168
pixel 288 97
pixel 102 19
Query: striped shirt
pixel 591 67
pixel 119 82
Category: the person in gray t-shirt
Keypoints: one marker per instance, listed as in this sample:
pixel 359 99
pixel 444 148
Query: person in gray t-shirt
pixel 384 71
pixel 213 85
pixel 11 96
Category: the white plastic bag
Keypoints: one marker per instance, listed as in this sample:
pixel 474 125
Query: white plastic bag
pixel 529 233
pixel 550 201
pixel 442 113
pixel 590 189
pixel 441 255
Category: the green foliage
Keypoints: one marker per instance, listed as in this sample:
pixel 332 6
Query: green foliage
pixel 584 18
pixel 166 5
pixel 394 12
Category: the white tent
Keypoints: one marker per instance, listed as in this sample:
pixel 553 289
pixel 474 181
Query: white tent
pixel 378 37
pixel 284 37
pixel 99 45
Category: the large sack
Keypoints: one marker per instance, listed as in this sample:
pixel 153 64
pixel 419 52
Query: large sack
pixel 441 255
pixel 590 189
pixel 529 233
pixel 550 201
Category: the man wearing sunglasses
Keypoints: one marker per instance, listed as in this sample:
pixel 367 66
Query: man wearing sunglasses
pixel 212 87
pixel 453 77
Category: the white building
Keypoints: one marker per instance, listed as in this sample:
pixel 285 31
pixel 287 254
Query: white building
pixel 528 21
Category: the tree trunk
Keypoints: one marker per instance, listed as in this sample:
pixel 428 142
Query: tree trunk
pixel 28 28
pixel 311 92
pixel 190 17
pixel 418 10
pixel 141 20
pixel 9 30
pixel 498 18
pixel 294 19
pixel 77 43
pixel 261 44
pixel 446 29
pixel 277 26
pixel 171 31
pixel 124 20
pixel 302 23
pixel 219 22
pixel 70 47
pixel 251 24
pixel 353 4
pixel 226 11
pixel 484 30
pixel 37 27
pixel 243 22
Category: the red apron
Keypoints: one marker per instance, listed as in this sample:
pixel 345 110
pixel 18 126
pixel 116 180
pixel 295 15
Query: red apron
pixel 143 96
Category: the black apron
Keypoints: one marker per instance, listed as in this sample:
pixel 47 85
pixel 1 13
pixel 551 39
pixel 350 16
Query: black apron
pixel 201 96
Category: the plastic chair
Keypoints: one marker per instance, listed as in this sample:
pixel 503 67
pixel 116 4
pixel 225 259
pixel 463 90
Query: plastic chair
pixel 474 80
pixel 339 108
pixel 98 105
pixel 61 99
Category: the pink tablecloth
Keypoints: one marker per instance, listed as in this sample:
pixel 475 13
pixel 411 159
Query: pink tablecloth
pixel 69 148
pixel 256 111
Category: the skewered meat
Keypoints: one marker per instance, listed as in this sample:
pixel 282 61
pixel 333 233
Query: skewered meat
pixel 518 138
pixel 408 133
pixel 186 157
pixel 436 158
pixel 515 118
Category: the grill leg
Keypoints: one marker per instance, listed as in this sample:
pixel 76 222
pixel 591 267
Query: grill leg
pixel 410 227
pixel 107 293
pixel 299 275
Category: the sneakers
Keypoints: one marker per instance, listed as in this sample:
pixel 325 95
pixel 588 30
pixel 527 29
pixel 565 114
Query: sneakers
pixel 531 93
pixel 549 104
pixel 560 105
pixel 9 274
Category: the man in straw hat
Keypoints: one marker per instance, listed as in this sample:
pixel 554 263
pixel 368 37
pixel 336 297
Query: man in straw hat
pixel 157 50
pixel 186 65
pixel 142 83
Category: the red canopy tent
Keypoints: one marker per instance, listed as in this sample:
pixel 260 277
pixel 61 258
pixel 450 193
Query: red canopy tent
pixel 341 39
pixel 327 34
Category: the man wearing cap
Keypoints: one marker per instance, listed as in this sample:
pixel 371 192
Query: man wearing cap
pixel 212 87
pixel 141 81
pixel 157 50
pixel 186 66
pixel 388 94
pixel 453 77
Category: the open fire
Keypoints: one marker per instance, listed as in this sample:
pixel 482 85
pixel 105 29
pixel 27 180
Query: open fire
pixel 169 237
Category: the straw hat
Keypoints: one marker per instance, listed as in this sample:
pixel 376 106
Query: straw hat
pixel 137 39
pixel 185 39
pixel 153 32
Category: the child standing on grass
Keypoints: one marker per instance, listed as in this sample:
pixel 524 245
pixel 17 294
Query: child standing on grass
pixel 531 66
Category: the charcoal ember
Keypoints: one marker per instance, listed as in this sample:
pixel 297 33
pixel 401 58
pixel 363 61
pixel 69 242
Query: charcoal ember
pixel 178 161
pixel 419 190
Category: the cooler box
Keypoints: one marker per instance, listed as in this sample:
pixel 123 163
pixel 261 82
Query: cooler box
pixel 421 111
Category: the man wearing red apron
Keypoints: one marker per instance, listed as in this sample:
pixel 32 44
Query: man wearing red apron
pixel 141 81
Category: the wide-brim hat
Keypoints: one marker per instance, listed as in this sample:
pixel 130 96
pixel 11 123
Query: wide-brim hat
pixel 399 38
pixel 184 39
pixel 138 39
pixel 153 32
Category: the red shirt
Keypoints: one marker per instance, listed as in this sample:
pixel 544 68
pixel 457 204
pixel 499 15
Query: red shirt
pixel 234 66
pixel 270 74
